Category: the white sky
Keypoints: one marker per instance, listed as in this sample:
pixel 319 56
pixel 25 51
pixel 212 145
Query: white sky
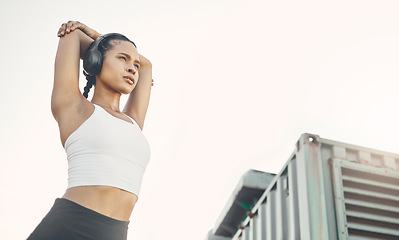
pixel 236 83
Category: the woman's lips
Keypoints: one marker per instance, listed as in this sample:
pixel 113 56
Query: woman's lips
pixel 129 80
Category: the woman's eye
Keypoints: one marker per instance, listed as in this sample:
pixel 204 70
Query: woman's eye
pixel 137 66
pixel 124 59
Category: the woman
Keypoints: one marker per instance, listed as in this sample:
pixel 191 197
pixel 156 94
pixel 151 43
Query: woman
pixel 106 150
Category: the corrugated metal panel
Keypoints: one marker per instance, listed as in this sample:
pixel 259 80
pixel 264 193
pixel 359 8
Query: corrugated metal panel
pixel 247 192
pixel 211 236
pixel 299 203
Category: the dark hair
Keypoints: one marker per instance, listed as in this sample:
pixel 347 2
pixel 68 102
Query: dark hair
pixel 94 56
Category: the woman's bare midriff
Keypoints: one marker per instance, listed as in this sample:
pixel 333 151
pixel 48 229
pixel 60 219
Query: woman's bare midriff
pixel 109 201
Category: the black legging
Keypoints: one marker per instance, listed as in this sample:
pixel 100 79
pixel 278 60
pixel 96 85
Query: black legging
pixel 69 220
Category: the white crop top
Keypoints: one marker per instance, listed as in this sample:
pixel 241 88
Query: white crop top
pixel 108 151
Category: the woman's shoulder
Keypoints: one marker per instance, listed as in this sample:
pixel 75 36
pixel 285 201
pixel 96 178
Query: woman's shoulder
pixel 71 117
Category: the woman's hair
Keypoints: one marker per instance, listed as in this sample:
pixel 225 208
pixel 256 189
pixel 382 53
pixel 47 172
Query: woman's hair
pixel 94 56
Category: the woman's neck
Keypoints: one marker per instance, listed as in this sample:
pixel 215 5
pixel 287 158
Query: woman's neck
pixel 107 100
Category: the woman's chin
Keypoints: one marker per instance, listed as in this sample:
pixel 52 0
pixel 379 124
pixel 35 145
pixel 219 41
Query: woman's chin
pixel 126 91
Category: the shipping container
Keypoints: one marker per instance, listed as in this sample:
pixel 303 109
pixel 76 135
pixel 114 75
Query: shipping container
pixel 326 190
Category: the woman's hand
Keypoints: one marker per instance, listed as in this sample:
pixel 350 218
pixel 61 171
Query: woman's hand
pixel 73 25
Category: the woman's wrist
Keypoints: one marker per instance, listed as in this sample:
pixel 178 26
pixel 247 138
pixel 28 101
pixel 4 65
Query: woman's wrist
pixel 96 35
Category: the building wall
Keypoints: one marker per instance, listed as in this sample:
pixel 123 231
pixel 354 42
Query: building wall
pixel 326 190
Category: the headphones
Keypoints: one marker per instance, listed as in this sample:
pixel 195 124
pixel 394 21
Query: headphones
pixel 93 59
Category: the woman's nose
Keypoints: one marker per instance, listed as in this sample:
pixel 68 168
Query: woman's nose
pixel 131 69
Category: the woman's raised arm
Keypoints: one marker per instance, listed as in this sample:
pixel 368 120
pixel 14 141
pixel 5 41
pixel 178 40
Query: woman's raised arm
pixel 137 104
pixel 75 38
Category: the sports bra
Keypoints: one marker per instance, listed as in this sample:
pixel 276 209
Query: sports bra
pixel 107 151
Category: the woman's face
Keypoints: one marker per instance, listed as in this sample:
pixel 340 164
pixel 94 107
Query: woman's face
pixel 119 72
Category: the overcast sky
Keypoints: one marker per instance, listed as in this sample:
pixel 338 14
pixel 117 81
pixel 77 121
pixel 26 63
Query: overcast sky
pixel 236 84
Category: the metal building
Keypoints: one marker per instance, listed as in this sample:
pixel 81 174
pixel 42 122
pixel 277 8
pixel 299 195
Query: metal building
pixel 326 190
